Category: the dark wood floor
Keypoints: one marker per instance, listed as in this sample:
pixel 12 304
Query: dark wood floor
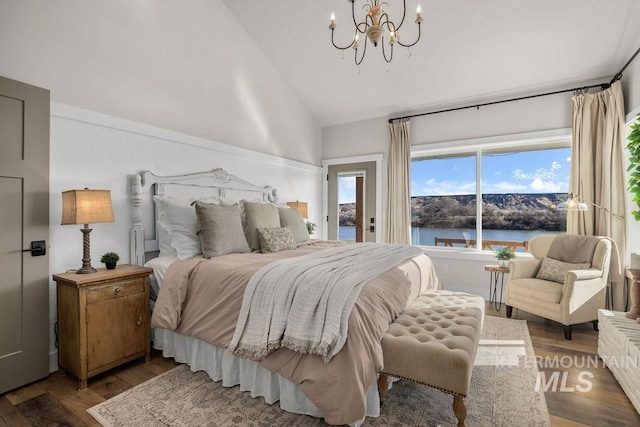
pixel 55 401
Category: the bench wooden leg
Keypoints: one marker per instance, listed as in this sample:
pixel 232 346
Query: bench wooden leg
pixel 383 386
pixel 459 409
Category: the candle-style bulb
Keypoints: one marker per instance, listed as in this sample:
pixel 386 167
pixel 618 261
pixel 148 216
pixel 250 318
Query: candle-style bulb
pixel 418 14
pixel 332 24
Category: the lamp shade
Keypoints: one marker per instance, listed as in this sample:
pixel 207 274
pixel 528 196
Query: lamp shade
pixel 86 207
pixel 572 204
pixel 301 207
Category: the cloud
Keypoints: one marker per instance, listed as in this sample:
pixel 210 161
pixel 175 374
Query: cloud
pixel 547 186
pixel 551 179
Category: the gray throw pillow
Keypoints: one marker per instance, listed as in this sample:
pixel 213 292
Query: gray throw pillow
pixel 220 230
pixel 554 270
pixel 276 239
pixel 258 215
pixel 293 218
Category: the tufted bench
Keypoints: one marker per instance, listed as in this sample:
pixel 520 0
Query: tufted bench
pixel 434 342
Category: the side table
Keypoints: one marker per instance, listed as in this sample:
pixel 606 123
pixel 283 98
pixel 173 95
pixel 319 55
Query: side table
pixel 497 274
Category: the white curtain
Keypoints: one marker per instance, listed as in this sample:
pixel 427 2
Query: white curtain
pixel 398 210
pixel 597 173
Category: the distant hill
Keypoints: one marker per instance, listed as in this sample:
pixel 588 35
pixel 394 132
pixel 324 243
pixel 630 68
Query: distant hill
pixel 513 211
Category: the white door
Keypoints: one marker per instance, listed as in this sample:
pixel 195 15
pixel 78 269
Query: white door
pixel 24 218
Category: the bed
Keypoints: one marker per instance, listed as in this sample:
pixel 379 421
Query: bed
pixel 199 301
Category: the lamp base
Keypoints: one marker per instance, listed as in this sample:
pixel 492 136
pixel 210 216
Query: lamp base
pixel 86 252
pixel 86 270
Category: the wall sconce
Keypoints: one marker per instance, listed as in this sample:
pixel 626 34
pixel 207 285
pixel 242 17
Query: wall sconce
pixel 300 207
pixel 86 207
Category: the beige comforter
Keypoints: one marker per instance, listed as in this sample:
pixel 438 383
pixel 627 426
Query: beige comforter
pixel 202 298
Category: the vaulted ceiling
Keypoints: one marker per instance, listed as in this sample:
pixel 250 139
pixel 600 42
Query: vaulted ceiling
pixel 470 51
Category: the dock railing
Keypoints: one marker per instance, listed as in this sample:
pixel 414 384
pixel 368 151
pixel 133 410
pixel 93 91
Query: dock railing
pixel 486 244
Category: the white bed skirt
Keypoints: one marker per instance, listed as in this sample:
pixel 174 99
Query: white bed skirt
pixel 248 374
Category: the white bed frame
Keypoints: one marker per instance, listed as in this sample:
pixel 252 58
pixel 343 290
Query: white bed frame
pixel 217 182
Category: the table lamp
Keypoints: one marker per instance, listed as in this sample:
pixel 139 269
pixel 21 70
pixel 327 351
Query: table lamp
pixel 300 207
pixel 86 207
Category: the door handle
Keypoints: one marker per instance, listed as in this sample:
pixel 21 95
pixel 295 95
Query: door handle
pixel 38 248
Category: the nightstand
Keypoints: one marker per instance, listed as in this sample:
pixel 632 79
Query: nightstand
pixel 103 320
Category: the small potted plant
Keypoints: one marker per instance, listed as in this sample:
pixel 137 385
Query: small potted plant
pixel 311 227
pixel 110 259
pixel 504 255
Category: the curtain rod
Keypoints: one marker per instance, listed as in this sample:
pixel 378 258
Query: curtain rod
pixel 484 104
pixel 616 77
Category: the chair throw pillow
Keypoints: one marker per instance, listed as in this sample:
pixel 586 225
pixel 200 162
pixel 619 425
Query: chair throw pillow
pixel 554 270
pixel 276 239
pixel 221 230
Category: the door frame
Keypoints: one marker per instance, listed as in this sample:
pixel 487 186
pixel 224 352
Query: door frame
pixel 379 159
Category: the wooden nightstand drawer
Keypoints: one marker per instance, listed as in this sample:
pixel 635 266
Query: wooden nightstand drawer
pixel 114 290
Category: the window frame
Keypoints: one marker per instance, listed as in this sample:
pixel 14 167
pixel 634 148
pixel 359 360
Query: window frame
pixel 560 138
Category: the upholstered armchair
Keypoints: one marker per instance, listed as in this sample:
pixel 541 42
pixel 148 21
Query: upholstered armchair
pixel 560 288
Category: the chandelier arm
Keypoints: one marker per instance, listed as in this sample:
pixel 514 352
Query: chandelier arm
pixel 417 40
pixel 404 14
pixel 366 26
pixel 339 47
pixel 384 53
pixel 364 52
pixel 353 12
pixel 387 23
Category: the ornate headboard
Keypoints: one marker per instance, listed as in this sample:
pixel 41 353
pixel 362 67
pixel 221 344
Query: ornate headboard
pixel 216 182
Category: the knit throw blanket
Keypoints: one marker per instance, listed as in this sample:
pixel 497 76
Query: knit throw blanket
pixel 304 303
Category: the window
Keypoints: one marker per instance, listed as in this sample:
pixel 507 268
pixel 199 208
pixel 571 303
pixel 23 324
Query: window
pixel 517 190
pixel 443 200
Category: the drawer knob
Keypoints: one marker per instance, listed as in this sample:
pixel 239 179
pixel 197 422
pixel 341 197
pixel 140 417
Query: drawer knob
pixel 116 291
pixel 139 322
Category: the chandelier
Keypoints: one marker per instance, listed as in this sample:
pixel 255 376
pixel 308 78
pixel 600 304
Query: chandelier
pixel 375 26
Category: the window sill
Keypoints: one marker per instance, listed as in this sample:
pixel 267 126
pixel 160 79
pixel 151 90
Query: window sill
pixel 464 254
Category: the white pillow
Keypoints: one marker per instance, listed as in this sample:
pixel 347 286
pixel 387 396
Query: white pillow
pixel 179 220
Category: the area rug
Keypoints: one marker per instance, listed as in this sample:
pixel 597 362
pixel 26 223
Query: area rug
pixel 503 393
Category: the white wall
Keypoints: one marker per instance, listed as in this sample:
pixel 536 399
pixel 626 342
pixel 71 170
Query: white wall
pixel 631 87
pixel 102 152
pixel 192 90
pixel 192 69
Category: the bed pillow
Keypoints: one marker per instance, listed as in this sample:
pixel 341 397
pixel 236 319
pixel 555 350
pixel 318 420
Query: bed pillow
pixel 276 239
pixel 554 270
pixel 178 218
pixel 293 218
pixel 258 215
pixel 164 238
pixel 221 230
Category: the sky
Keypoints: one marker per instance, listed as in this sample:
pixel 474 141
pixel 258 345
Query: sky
pixel 541 171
